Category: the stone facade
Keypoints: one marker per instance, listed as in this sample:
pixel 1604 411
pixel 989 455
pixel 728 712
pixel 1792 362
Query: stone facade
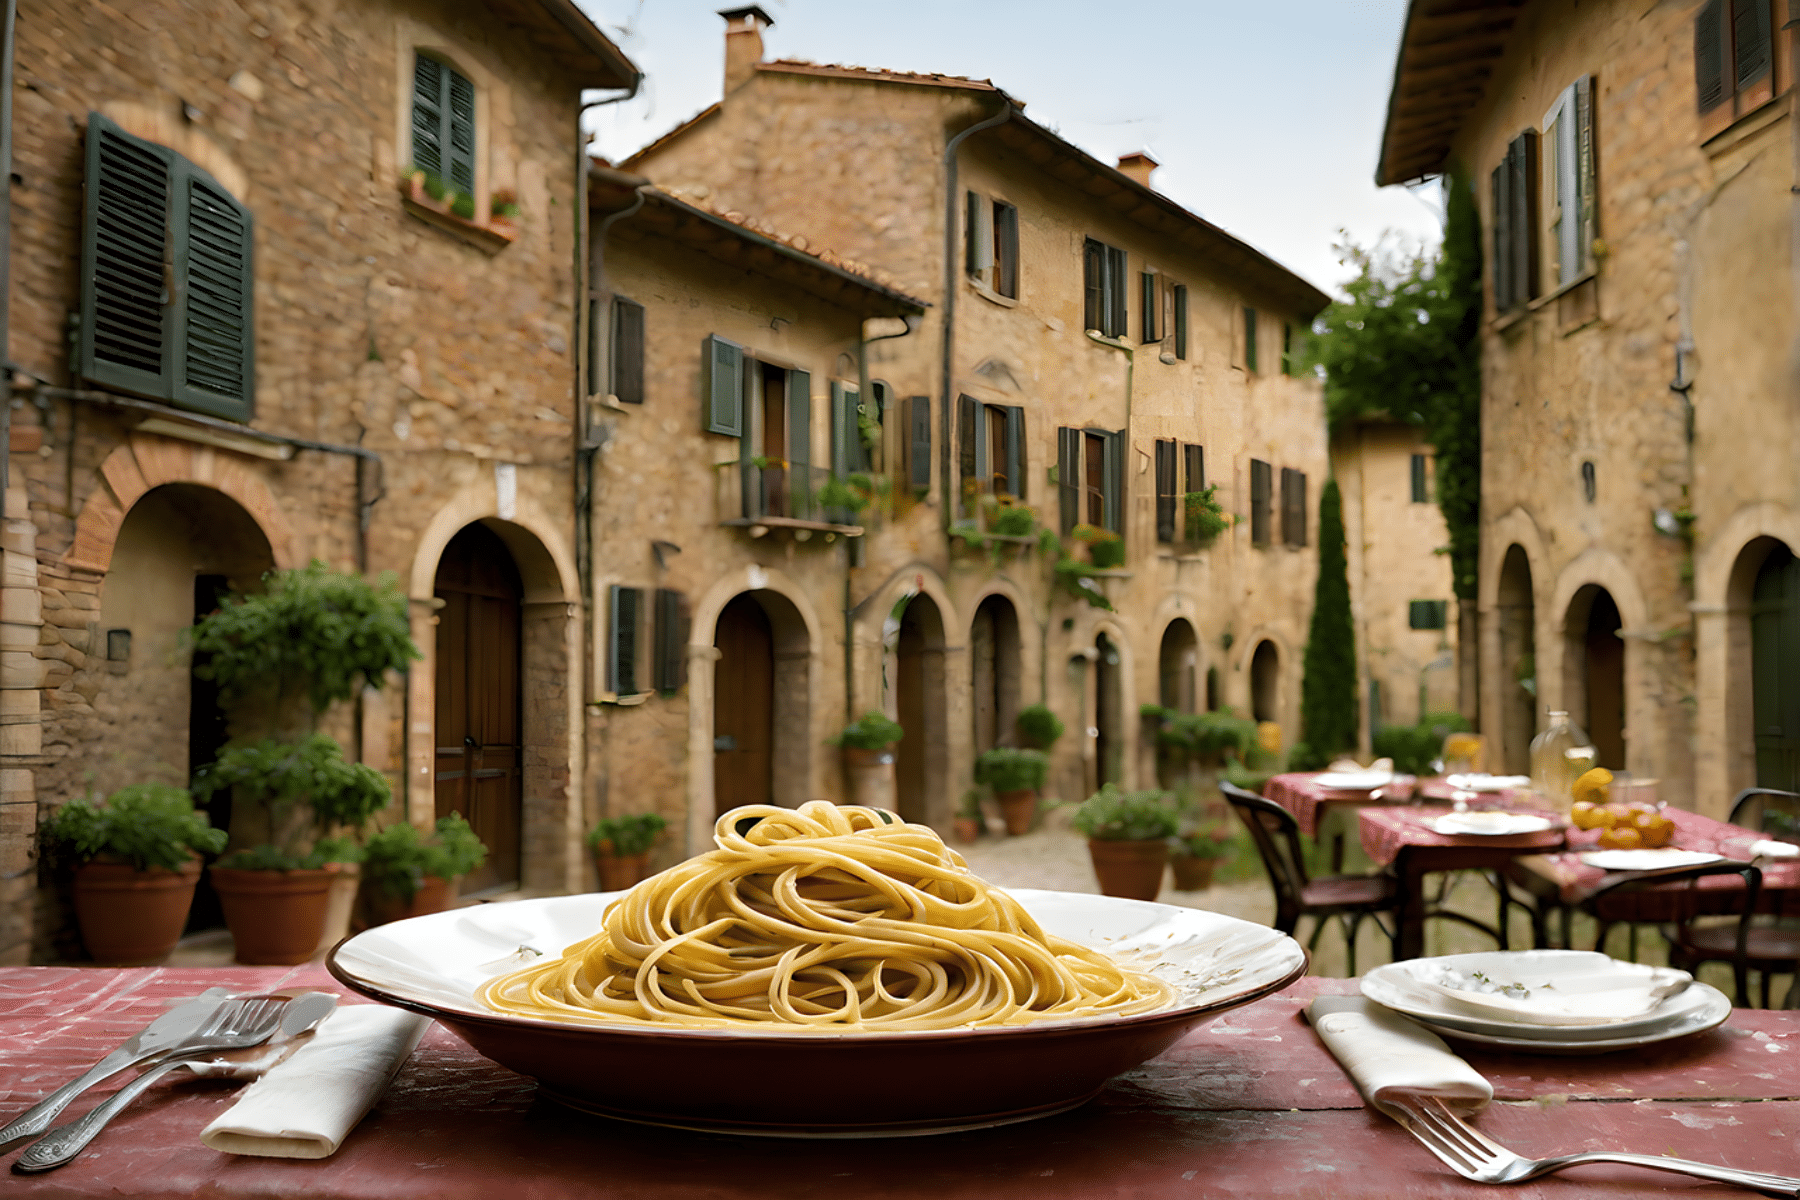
pixel 426 363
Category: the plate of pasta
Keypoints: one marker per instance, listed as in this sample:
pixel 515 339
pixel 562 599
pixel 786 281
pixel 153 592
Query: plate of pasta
pixel 826 971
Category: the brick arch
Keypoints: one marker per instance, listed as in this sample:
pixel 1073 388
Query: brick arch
pixel 146 462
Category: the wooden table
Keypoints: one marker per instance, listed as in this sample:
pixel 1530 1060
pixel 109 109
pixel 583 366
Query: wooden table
pixel 1251 1105
pixel 1299 792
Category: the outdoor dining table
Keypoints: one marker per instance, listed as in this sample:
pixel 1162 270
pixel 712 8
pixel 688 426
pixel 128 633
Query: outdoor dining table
pixel 1248 1105
pixel 1301 794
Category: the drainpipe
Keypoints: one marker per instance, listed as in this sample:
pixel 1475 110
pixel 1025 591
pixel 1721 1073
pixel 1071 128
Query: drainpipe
pixel 950 228
pixel 6 123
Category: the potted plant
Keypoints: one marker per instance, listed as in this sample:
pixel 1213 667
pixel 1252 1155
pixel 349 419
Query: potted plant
pixel 868 746
pixel 503 209
pixel 1128 839
pixel 621 848
pixel 1194 856
pixel 281 658
pixel 1204 518
pixel 406 875
pixel 1015 775
pixel 968 820
pixel 139 859
pixel 1038 726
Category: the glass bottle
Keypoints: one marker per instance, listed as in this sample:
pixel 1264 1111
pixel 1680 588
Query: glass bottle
pixel 1559 756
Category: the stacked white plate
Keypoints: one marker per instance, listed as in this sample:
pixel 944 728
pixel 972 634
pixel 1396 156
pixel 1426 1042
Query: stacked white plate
pixel 1353 781
pixel 1547 1001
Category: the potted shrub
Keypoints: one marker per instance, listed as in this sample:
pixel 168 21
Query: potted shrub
pixel 968 820
pixel 868 747
pixel 621 848
pixel 1038 726
pixel 1015 775
pixel 1128 839
pixel 406 875
pixel 1204 518
pixel 139 859
pixel 281 658
pixel 1193 857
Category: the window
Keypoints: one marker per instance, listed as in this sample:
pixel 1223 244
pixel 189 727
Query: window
pixel 1150 293
pixel 1421 491
pixel 991 248
pixel 1250 339
pixel 1590 482
pixel 1172 457
pixel 443 123
pixel 769 409
pixel 1427 614
pixel 1734 61
pixel 625 380
pixel 622 656
pixel 1514 193
pixel 1179 318
pixel 991 444
pixel 668 671
pixel 1104 300
pixel 848 453
pixel 1287 348
pixel 1293 507
pixel 1260 488
pixel 917 424
pixel 167 289
pixel 1090 477
pixel 1568 183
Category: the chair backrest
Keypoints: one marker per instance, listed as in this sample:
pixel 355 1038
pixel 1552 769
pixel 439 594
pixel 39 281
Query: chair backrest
pixel 1676 897
pixel 1767 810
pixel 1277 838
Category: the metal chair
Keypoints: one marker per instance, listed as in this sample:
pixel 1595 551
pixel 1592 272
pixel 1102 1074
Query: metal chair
pixel 1349 898
pixel 1767 810
pixel 1676 898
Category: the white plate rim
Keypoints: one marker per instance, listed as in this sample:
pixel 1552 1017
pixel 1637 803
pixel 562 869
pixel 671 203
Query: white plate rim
pixel 1526 823
pixel 1672 857
pixel 1365 781
pixel 1699 1019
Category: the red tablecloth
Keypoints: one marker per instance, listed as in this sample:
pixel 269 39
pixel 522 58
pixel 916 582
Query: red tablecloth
pixel 1250 1105
pixel 1386 830
pixel 1300 793
pixel 1575 880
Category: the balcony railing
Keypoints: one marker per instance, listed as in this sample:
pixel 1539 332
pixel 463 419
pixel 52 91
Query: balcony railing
pixel 772 493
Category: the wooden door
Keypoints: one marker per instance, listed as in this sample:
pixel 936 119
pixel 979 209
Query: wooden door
pixel 1775 670
pixel 909 704
pixel 479 723
pixel 1606 683
pixel 743 707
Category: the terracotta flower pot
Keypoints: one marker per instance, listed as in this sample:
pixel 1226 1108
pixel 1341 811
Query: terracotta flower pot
pixel 620 871
pixel 1133 870
pixel 1192 874
pixel 871 775
pixel 435 894
pixel 130 917
pixel 967 829
pixel 276 917
pixel 1018 808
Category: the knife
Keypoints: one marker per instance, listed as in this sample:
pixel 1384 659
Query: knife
pixel 151 1041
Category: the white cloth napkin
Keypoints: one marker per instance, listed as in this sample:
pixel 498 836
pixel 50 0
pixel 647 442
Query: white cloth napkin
pixel 1769 849
pixel 307 1105
pixel 1384 1053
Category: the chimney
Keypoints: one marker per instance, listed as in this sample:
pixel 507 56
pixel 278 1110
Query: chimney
pixel 1138 165
pixel 743 43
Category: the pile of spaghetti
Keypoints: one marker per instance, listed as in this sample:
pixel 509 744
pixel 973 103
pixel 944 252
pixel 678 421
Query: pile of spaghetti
pixel 823 918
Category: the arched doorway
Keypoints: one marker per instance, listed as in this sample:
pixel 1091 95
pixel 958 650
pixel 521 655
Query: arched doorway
pixel 1775 669
pixel 1265 682
pixel 1594 672
pixel 762 703
pixel 180 548
pixel 480 720
pixel 1178 666
pixel 1518 663
pixel 1109 704
pixel 1212 689
pixel 994 668
pixel 919 701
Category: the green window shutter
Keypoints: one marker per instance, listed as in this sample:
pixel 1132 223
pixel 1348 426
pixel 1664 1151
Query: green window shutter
pixel 1015 450
pixel 724 412
pixel 1006 249
pixel 428 115
pixel 969 427
pixel 1427 614
pixel 1195 467
pixel 621 664
pixel 1501 208
pixel 799 447
pixel 1584 163
pixel 1419 490
pixel 918 441
pixel 1293 507
pixel 1287 348
pixel 1709 55
pixel 1068 477
pixel 627 382
pixel 1148 300
pixel 1260 482
pixel 126 305
pixel 444 123
pixel 1751 48
pixel 215 357
pixel 978 237
pixel 1250 339
pixel 672 628
pixel 1115 293
pixel 461 131
pixel 1113 494
pixel 1093 270
pixel 1181 320
pixel 1166 506
pixel 1522 195
pixel 846 438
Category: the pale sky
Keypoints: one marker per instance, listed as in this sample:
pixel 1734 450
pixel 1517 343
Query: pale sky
pixel 1266 117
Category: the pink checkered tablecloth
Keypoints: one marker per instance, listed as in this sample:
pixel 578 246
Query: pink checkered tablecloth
pixel 1385 831
pixel 1437 787
pixel 1301 795
pixel 1576 880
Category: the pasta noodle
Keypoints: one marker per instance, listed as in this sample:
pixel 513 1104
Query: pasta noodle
pixel 824 918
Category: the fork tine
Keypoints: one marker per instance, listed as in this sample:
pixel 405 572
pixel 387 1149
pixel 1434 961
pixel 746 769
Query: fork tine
pixel 1450 1117
pixel 1429 1134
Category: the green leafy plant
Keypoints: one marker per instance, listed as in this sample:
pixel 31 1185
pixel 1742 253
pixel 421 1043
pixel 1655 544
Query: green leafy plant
pixel 1328 687
pixel 1206 735
pixel 463 206
pixel 1112 815
pixel 1038 726
pixel 304 785
pixel 1077 579
pixel 1008 769
pixel 871 731
pixel 398 859
pixel 1089 534
pixel 430 183
pixel 1204 517
pixel 625 836
pixel 1108 553
pixel 1214 841
pixel 144 824
pixel 504 203
pixel 1413 747
pixel 841 493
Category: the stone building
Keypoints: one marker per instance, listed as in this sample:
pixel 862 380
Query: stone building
pixel 1635 173
pixel 1092 351
pixel 245 335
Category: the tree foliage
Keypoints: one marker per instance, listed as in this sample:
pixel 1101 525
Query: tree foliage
pixel 1328 702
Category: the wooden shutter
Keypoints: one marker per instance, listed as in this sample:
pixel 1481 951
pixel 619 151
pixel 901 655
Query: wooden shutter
pixel 978 238
pixel 1419 490
pixel 1287 348
pixel 460 128
pixel 214 369
pixel 968 449
pixel 1006 249
pixel 918 441
pixel 1114 486
pixel 1116 285
pixel 799 447
pixel 1522 164
pixel 1250 339
pixel 125 267
pixel 1152 308
pixel 1196 467
pixel 1068 477
pixel 1709 55
pixel 428 115
pixel 1015 450
pixel 627 383
pixel 1501 257
pixel 724 409
pixel 444 123
pixel 1293 507
pixel 1427 614
pixel 1093 271
pixel 1585 205
pixel 1181 320
pixel 1750 42
pixel 1166 500
pixel 672 626
pixel 844 434
pixel 621 663
pixel 1259 502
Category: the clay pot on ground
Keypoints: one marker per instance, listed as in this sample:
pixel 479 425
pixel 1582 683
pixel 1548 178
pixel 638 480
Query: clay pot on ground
pixel 621 871
pixel 1192 874
pixel 276 918
pixel 1019 808
pixel 1133 870
pixel 341 907
pixel 435 894
pixel 871 775
pixel 967 829
pixel 130 917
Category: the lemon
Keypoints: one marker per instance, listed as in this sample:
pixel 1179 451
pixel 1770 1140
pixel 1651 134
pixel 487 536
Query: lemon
pixel 1592 786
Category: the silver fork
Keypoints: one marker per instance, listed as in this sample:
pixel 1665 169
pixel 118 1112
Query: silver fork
pixel 249 1021
pixel 1474 1155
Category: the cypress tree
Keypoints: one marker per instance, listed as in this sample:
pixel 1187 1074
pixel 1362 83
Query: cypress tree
pixel 1328 702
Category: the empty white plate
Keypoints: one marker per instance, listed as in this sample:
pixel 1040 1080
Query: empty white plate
pixel 1647 860
pixel 1490 824
pixel 1353 781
